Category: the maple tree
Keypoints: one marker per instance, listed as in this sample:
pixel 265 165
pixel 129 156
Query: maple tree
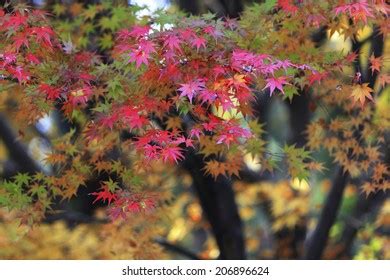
pixel 189 99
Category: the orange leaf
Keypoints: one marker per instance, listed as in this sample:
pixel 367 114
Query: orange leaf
pixel 361 92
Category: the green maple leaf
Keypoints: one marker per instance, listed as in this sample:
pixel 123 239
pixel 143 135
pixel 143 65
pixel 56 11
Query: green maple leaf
pixel 109 23
pixel 289 92
pixel 59 9
pixel 22 178
pixel 106 41
pixel 269 5
pixel 90 12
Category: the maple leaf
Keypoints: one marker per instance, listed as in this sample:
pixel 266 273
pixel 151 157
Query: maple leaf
pixel 357 11
pixel 80 96
pixel 275 83
pixel 287 6
pixel 20 40
pixel 207 96
pixel 226 138
pixel 32 58
pixel 104 195
pixel 384 79
pixel 376 63
pixel 317 77
pixel 52 93
pixel 173 43
pixel 361 92
pixel 147 46
pixel 238 82
pixel 16 20
pixel 19 73
pixel 109 121
pixel 139 31
pixel 8 57
pixel 187 141
pixel 213 32
pixel 191 89
pixel 214 168
pixel 43 34
pixel 198 42
pixel 139 56
pixel 171 153
pixel 196 132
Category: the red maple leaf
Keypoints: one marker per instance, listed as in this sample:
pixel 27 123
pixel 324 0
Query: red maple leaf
pixel 20 40
pixel 104 195
pixel 19 73
pixel 32 58
pixel 16 20
pixel 80 96
pixel 287 6
pixel 316 77
pixel 43 34
pixel 52 93
pixel 109 121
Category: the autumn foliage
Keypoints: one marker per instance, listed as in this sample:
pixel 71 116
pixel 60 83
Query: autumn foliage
pixel 152 92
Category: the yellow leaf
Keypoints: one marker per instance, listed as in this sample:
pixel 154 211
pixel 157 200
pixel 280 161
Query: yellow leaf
pixel 361 92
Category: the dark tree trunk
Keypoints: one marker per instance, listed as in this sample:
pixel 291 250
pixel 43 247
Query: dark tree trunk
pixel 319 239
pixel 218 203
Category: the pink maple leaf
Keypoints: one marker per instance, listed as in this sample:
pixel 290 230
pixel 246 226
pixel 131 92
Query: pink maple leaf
pixel 172 153
pixel 187 141
pixel 139 56
pixel 213 32
pixel 191 89
pixel 207 96
pixel 196 132
pixel 187 33
pixel 357 11
pixel 142 53
pixel 275 83
pixel 172 42
pixel 151 151
pixel 137 31
pixel 147 46
pixel 198 42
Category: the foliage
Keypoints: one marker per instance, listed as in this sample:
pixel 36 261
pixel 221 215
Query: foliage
pixel 158 93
